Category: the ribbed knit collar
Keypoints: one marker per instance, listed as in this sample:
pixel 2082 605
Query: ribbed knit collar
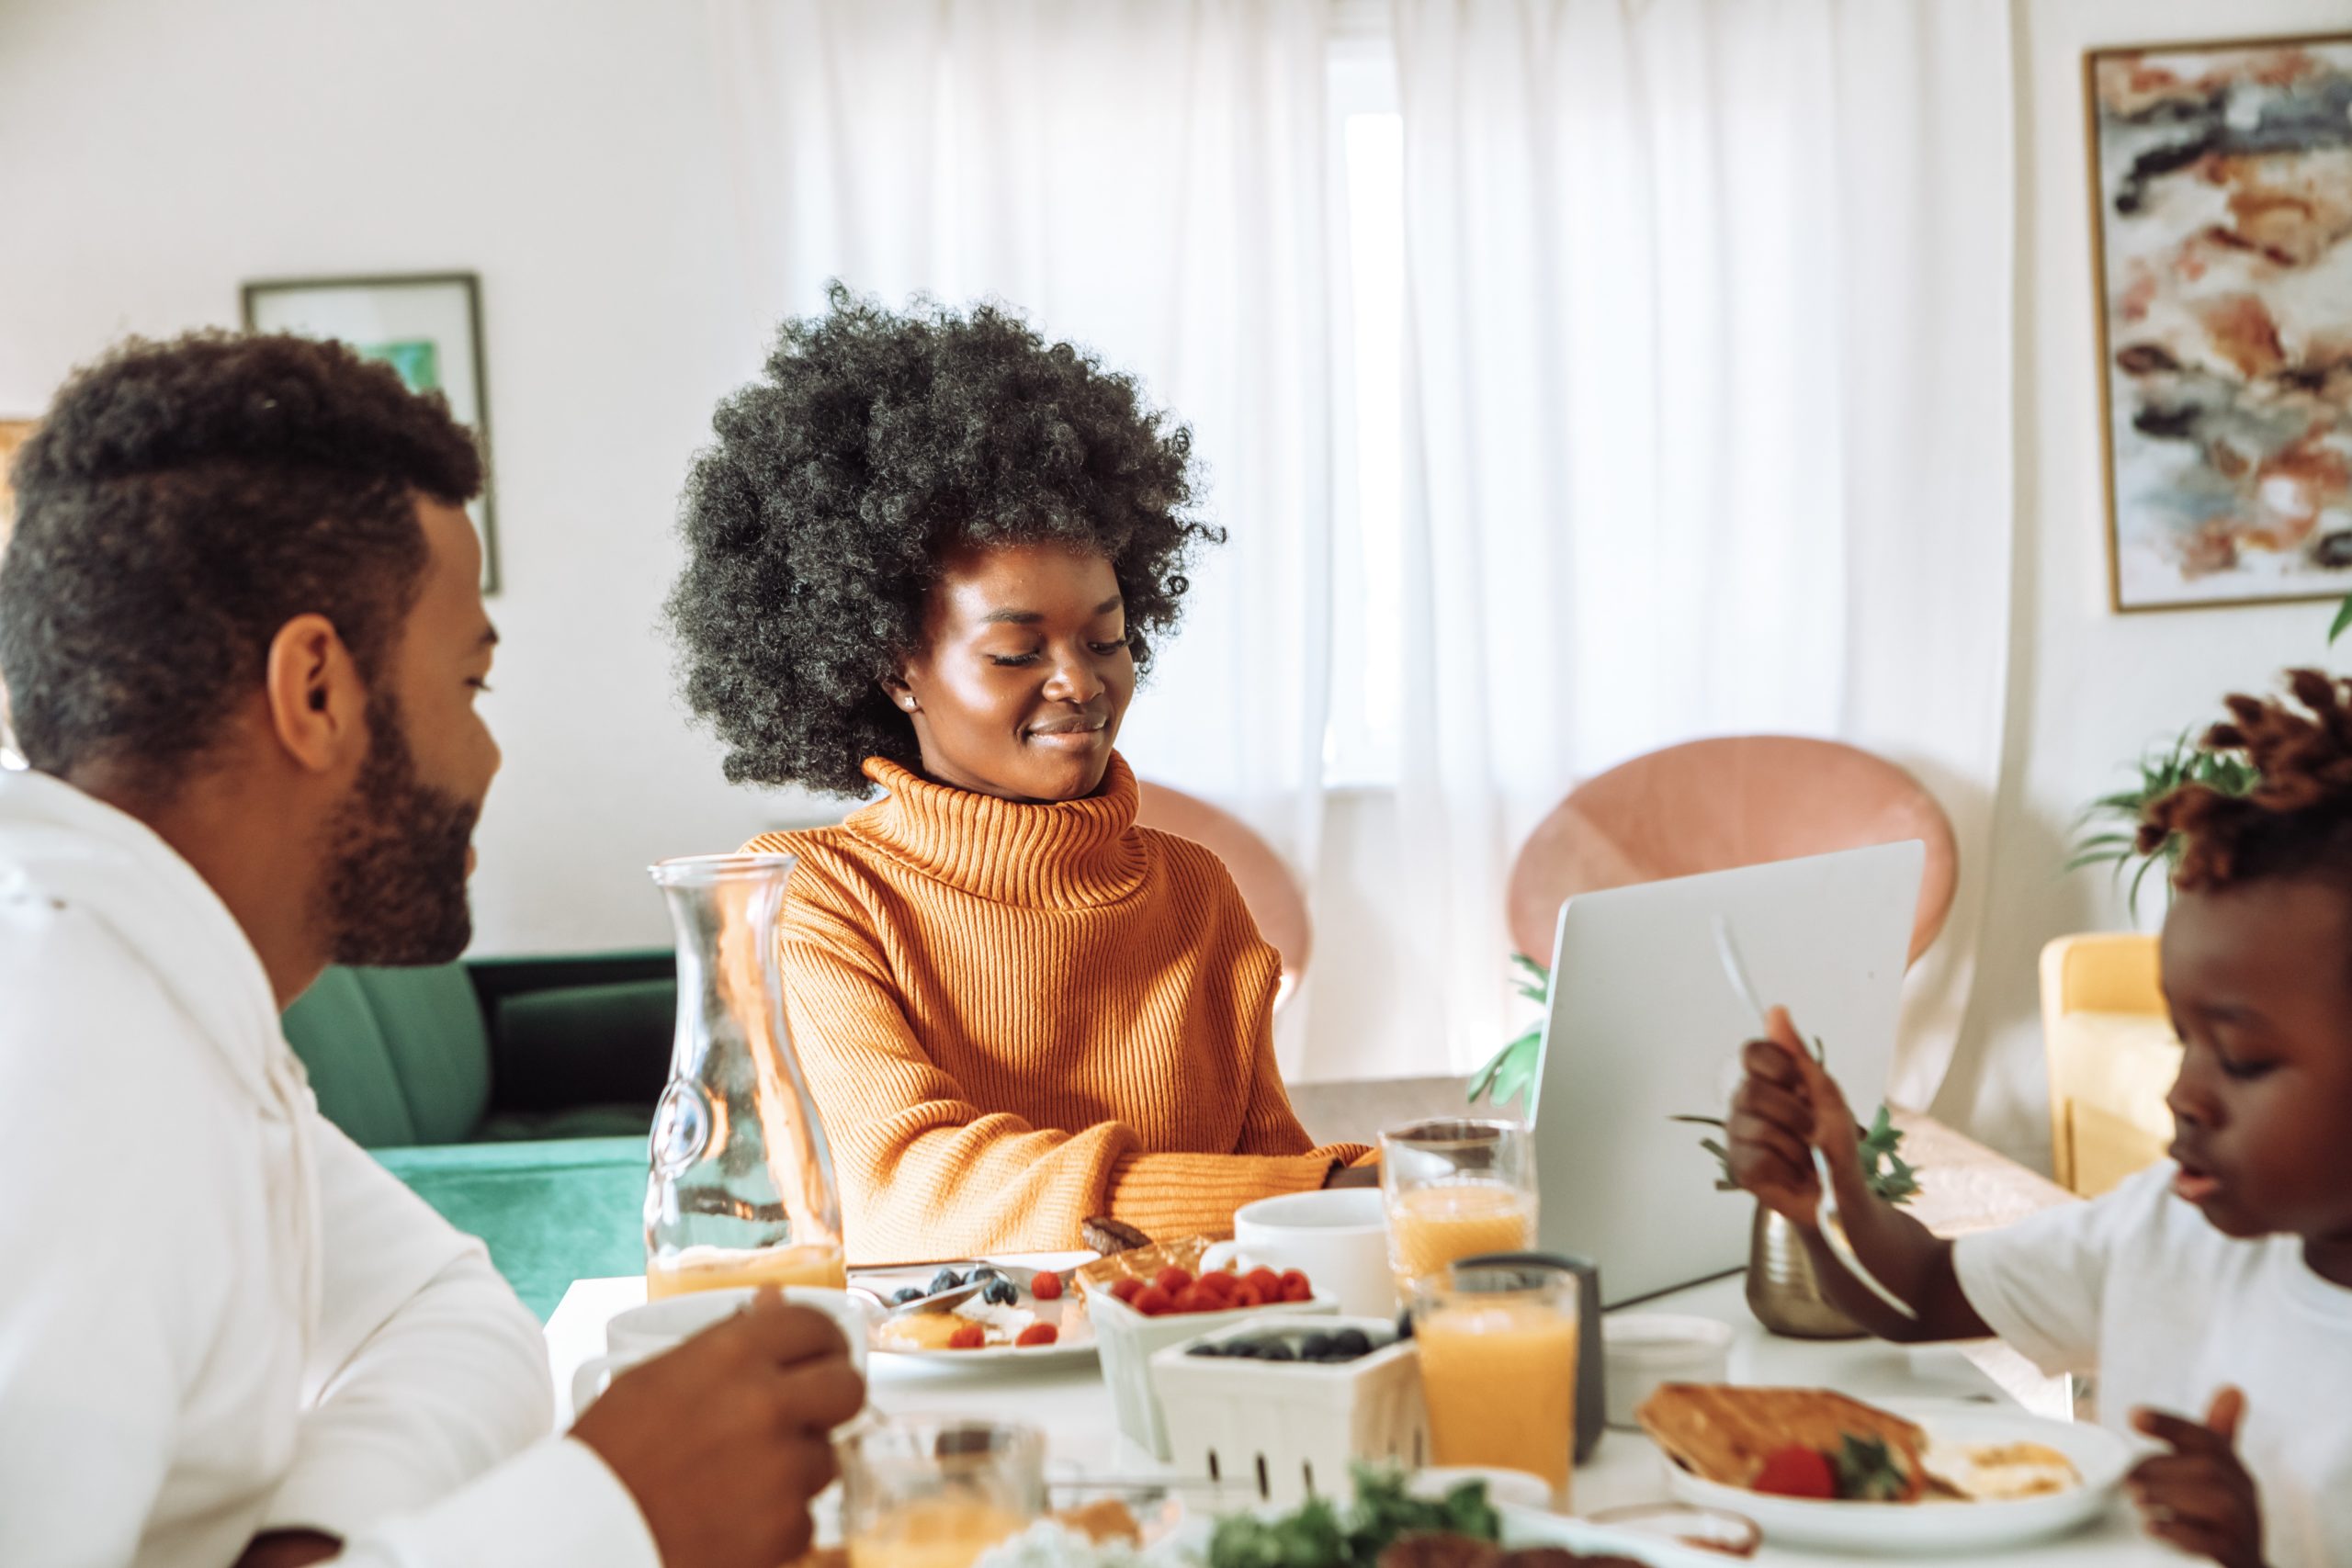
pixel 1063 854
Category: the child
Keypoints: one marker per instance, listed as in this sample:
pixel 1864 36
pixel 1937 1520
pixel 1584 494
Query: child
pixel 2213 1293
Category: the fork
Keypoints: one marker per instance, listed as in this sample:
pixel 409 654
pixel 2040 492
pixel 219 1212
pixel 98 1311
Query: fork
pixel 1827 1218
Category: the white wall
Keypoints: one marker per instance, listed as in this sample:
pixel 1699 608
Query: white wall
pixel 156 153
pixel 2090 689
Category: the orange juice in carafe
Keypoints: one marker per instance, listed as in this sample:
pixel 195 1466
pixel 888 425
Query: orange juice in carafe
pixel 740 1190
pixel 1430 1227
pixel 817 1264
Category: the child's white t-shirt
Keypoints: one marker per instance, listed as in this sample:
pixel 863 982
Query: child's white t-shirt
pixel 2137 1287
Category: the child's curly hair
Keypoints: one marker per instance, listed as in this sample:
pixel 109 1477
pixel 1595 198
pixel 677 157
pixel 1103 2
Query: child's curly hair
pixel 2298 817
pixel 874 444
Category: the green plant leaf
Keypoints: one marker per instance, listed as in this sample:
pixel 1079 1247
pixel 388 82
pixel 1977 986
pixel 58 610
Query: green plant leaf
pixel 2343 620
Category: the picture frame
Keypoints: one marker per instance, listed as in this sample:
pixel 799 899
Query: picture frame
pixel 2221 209
pixel 427 326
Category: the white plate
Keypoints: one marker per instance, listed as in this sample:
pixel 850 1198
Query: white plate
pixel 1076 1343
pixel 1541 1527
pixel 2099 1455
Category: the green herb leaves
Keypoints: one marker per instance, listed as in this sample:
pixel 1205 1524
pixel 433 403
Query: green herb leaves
pixel 1317 1535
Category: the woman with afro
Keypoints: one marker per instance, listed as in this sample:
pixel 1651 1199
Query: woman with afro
pixel 930 554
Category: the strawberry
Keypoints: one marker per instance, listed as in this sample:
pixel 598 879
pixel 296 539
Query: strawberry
pixel 1046 1286
pixel 1796 1472
pixel 1038 1333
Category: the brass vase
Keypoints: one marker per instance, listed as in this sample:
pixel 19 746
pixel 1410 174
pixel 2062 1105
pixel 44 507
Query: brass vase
pixel 1782 1290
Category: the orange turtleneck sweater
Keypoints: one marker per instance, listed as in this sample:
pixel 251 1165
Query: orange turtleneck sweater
pixel 1012 1016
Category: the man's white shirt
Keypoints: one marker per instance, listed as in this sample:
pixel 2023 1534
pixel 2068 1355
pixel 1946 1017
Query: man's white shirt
pixel 218 1314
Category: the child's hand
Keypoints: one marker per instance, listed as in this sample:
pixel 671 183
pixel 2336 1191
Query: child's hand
pixel 2199 1497
pixel 1785 1106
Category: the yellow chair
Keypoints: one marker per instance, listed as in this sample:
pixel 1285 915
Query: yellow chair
pixel 2113 1056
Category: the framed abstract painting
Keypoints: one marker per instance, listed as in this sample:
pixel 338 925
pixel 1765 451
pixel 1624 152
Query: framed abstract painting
pixel 427 326
pixel 2221 233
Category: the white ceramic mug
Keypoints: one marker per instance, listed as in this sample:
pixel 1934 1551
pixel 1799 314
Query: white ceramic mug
pixel 1338 1238
pixel 644 1332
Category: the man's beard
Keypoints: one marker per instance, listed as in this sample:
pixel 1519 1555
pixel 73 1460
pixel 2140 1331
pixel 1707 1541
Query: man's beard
pixel 395 888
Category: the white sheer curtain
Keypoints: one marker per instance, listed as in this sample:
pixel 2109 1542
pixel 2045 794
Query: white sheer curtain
pixel 1707 423
pixel 1147 178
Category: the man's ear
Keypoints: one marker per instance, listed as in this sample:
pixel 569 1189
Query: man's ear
pixel 318 705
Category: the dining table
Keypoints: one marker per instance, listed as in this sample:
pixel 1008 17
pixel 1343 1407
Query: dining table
pixel 1967 1188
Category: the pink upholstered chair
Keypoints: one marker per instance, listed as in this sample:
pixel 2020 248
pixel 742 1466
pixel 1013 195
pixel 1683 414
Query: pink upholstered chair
pixel 1714 805
pixel 1266 883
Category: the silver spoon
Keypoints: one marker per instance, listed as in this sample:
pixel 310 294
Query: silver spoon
pixel 1831 1224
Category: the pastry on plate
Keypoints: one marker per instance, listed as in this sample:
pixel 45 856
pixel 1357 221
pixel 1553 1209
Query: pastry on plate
pixel 1726 1433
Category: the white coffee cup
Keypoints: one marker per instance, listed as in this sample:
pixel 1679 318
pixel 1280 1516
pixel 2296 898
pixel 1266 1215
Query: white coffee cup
pixel 644 1332
pixel 1338 1239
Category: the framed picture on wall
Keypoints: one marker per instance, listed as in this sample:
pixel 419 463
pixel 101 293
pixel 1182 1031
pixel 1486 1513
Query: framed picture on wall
pixel 2221 238
pixel 426 325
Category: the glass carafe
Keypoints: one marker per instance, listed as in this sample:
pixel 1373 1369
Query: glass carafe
pixel 741 1191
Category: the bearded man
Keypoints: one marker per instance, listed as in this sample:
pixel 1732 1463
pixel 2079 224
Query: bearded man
pixel 242 636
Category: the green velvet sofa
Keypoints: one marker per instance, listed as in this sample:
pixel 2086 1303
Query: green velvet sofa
pixel 512 1094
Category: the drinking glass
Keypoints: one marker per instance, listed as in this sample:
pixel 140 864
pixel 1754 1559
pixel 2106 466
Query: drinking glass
pixel 741 1187
pixel 937 1491
pixel 1455 1188
pixel 1498 1348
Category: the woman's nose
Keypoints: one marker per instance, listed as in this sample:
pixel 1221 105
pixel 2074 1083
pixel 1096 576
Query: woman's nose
pixel 1073 681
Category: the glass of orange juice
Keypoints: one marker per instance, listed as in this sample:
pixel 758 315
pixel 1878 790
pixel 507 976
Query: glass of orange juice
pixel 1454 1189
pixel 1498 1348
pixel 937 1491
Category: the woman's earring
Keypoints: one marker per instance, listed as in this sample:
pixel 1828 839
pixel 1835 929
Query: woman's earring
pixel 908 704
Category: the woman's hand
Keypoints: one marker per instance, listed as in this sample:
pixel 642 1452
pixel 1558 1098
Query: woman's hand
pixel 1785 1106
pixel 1352 1176
pixel 2199 1497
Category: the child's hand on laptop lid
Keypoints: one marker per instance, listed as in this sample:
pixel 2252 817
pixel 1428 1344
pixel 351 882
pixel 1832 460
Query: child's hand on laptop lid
pixel 1786 1106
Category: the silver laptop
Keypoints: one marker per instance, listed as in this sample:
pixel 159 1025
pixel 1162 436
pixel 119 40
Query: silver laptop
pixel 1643 1026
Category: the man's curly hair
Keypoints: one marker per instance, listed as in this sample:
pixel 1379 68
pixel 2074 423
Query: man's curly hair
pixel 179 503
pixel 2296 821
pixel 874 444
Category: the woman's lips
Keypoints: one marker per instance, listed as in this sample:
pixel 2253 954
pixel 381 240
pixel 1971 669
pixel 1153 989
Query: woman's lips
pixel 1071 738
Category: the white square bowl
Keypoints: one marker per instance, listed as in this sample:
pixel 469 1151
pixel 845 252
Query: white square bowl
pixel 1291 1430
pixel 1129 1340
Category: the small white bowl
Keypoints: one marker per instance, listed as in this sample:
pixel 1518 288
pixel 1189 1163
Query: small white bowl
pixel 1505 1488
pixel 1643 1349
pixel 1129 1339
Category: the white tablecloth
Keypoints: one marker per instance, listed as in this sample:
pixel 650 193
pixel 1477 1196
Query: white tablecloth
pixel 1074 1408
